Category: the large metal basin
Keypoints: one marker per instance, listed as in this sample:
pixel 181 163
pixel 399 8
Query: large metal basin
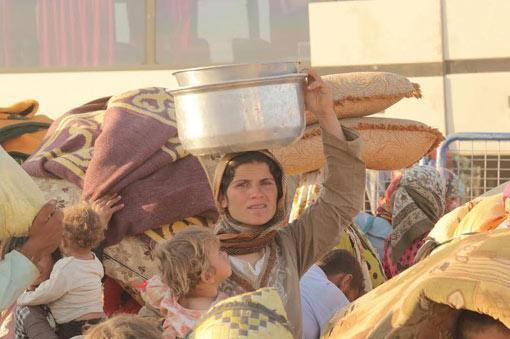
pixel 216 74
pixel 238 116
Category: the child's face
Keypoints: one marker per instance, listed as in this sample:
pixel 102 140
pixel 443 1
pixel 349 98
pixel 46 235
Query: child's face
pixel 220 262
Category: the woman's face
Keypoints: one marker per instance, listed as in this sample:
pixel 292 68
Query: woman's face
pixel 251 196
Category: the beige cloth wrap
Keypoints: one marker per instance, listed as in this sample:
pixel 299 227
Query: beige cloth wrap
pixel 470 273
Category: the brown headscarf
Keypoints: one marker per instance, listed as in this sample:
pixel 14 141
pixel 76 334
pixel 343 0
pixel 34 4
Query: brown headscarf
pixel 237 238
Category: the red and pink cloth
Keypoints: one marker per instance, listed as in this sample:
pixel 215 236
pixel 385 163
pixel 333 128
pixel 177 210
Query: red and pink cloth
pixel 178 319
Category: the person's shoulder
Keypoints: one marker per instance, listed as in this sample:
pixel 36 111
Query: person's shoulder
pixel 97 262
pixel 63 268
pixel 94 263
pixel 314 273
pixel 285 233
pixel 98 266
pixel 313 282
pixel 71 263
pixel 63 263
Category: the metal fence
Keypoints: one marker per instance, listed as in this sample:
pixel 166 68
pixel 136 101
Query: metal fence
pixel 480 160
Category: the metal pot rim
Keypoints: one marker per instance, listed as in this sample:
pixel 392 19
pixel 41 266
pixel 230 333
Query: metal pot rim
pixel 240 83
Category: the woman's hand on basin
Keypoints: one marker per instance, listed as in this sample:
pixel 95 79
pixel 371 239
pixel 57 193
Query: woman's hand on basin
pixel 319 100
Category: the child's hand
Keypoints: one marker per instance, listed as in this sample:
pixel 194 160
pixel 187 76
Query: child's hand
pixel 106 206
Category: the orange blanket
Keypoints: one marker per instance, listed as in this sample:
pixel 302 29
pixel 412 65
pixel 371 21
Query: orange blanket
pixel 21 131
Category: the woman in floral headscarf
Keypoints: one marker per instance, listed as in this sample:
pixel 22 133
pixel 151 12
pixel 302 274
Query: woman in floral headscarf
pixel 415 203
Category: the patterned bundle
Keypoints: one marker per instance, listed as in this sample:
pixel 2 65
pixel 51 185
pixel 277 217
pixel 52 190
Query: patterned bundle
pixel 258 314
pixel 127 144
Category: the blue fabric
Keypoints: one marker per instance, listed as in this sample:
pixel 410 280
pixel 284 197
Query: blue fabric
pixel 16 274
pixel 376 229
pixel 320 300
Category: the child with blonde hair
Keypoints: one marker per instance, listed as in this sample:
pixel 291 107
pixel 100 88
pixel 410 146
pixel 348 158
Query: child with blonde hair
pixel 192 267
pixel 124 327
pixel 73 292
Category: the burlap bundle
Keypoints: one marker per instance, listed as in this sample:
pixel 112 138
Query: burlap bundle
pixel 387 144
pixel 363 93
pixel 258 314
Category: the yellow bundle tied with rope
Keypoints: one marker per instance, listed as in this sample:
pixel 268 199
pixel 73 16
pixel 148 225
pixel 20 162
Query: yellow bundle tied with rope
pixel 20 198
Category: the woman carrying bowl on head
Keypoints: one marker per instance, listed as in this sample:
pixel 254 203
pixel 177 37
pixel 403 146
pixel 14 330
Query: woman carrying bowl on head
pixel 250 191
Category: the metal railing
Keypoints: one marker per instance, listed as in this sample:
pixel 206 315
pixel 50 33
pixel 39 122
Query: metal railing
pixel 480 160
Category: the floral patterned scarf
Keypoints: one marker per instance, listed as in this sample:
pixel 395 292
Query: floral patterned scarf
pixel 417 204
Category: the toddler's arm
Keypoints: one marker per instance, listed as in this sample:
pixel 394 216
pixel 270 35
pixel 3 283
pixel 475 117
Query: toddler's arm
pixel 50 290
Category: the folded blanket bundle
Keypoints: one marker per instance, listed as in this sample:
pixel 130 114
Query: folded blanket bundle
pixel 127 144
pixel 21 131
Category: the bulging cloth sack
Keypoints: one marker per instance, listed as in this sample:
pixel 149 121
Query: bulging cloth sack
pixel 482 214
pixel 88 146
pixel 470 273
pixel 387 144
pixel 20 198
pixel 258 314
pixel 363 93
